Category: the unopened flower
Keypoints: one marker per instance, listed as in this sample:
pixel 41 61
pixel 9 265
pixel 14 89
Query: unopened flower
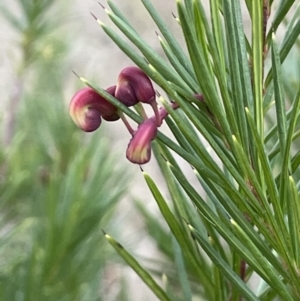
pixel 87 107
pixel 139 147
pixel 135 86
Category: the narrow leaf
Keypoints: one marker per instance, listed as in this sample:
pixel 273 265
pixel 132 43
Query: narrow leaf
pixel 175 46
pixel 294 218
pixel 224 267
pixel 275 281
pixel 179 234
pixel 279 100
pixel 144 275
pixel 286 161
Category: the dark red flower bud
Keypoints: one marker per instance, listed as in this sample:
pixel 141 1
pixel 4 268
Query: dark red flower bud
pixel 87 107
pixel 139 147
pixel 134 86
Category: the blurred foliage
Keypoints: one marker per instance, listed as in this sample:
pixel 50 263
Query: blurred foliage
pixel 57 191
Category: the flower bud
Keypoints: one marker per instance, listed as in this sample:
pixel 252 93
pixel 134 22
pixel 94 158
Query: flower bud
pixel 87 107
pixel 139 147
pixel 134 86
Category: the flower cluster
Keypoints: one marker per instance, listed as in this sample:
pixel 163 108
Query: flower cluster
pixel 88 108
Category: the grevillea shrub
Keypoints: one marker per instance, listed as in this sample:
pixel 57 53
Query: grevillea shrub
pixel 232 103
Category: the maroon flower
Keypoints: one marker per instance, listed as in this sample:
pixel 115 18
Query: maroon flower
pixel 135 86
pixel 139 147
pixel 87 107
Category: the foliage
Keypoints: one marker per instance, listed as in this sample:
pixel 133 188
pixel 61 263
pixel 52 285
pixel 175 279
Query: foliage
pixel 57 191
pixel 238 220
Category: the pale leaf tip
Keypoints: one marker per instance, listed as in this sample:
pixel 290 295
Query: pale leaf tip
pixel 152 68
pixel 84 80
pixel 168 163
pixel 191 227
pixel 291 179
pixel 159 37
pixel 162 100
pixel 164 279
pixel 232 221
pixel 101 23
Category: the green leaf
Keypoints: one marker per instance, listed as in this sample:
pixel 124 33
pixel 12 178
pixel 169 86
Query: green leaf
pixel 173 59
pixel 179 234
pixel 221 286
pixel 251 177
pixel 203 71
pixel 287 45
pixel 238 67
pixel 172 42
pixel 114 8
pixel 279 100
pixel 154 228
pixel 153 58
pixel 275 281
pixel 222 227
pixel 182 274
pixel 293 211
pixel 257 78
pixel 217 31
pixel 206 158
pixel 224 267
pixel 144 275
pixel 295 162
pixel 280 13
pixel 257 74
pixel 286 160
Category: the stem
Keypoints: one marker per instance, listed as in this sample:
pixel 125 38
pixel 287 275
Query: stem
pixel 127 124
pixel 243 269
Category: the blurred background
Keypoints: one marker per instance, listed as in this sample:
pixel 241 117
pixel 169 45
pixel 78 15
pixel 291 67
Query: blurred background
pixel 60 187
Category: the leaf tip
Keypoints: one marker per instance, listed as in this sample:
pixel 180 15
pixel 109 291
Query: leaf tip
pixel 101 5
pixel 191 227
pixel 93 16
pixel 76 74
pixel 232 221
